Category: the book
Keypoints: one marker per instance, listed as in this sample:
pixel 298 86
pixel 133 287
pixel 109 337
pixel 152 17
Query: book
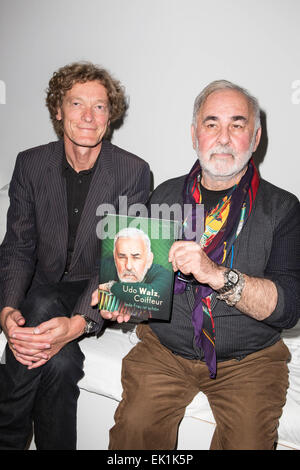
pixel 135 275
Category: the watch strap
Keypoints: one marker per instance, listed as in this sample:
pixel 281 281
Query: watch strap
pixel 228 285
pixel 91 326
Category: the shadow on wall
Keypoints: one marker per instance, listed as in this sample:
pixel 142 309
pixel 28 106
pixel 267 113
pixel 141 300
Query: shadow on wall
pixel 115 126
pixel 261 151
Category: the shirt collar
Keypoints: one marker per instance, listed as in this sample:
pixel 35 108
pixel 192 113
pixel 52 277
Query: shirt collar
pixel 67 168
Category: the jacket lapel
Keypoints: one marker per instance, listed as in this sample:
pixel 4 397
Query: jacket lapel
pixel 56 188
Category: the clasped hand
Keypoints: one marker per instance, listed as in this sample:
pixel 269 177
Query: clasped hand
pixel 34 346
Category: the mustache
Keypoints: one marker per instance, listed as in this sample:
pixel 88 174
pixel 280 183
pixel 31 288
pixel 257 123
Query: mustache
pixel 128 273
pixel 222 149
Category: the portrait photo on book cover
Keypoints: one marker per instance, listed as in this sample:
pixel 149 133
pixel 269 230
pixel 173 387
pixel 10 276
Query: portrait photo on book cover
pixel 135 275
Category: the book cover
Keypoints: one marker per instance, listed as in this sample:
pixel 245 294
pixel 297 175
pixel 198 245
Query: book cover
pixel 135 274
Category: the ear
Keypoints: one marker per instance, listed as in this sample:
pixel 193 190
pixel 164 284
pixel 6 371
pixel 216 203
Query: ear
pixel 150 260
pixel 193 134
pixel 59 114
pixel 257 138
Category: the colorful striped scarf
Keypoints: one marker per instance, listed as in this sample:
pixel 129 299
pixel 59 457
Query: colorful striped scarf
pixel 222 226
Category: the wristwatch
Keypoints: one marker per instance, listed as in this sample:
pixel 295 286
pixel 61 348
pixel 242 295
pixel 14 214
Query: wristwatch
pixel 231 279
pixel 90 326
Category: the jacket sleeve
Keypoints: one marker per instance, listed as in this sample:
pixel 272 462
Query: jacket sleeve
pixel 283 269
pixel 18 249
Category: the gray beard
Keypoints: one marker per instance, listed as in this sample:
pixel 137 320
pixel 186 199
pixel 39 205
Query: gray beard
pixel 234 170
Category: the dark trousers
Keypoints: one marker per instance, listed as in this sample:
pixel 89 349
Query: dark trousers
pixel 246 398
pixel 47 396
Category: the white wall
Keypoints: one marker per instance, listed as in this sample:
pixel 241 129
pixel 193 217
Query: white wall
pixel 164 52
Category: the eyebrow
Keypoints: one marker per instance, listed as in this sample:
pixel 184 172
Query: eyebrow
pixel 79 98
pixel 239 118
pixel 233 118
pixel 130 254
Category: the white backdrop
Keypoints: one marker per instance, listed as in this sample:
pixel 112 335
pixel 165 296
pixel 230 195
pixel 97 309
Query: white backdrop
pixel 164 52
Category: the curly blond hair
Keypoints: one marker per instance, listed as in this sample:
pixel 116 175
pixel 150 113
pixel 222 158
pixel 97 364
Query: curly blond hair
pixel 80 72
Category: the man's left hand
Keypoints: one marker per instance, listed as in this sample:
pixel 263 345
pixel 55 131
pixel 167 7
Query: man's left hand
pixel 189 258
pixel 113 316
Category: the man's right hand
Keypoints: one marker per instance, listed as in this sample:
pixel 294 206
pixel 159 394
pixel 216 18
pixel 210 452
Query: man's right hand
pixel 12 321
pixel 10 318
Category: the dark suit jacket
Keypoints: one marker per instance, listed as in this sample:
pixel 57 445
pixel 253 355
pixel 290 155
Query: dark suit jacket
pixel 34 249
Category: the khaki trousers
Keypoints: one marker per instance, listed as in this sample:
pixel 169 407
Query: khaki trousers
pixel 246 398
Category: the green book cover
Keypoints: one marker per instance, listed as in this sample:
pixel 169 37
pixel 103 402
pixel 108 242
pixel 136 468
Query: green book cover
pixel 135 274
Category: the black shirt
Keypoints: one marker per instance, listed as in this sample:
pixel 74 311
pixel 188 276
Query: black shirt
pixel 211 198
pixel 78 185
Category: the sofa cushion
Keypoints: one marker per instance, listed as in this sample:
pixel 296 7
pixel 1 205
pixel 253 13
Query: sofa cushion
pixel 103 376
pixel 103 360
pixel 289 424
pixel 102 367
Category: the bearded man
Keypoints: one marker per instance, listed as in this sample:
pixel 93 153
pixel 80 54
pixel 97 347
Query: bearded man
pixel 234 293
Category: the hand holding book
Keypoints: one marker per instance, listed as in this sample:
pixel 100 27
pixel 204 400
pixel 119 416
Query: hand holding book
pixel 114 315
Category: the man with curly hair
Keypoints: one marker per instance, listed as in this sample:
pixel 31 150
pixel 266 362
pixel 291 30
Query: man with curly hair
pixel 48 259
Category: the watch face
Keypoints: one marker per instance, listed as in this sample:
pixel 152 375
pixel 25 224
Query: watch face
pixel 233 277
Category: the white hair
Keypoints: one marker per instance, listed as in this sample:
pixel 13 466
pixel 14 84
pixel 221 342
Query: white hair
pixel 223 85
pixel 133 232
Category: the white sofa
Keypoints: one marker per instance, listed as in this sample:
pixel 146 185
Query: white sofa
pixel 101 388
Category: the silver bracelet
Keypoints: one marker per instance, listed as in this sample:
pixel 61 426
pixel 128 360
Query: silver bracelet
pixel 233 296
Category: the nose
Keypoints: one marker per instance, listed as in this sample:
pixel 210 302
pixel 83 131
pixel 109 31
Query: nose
pixel 87 115
pixel 224 136
pixel 128 264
